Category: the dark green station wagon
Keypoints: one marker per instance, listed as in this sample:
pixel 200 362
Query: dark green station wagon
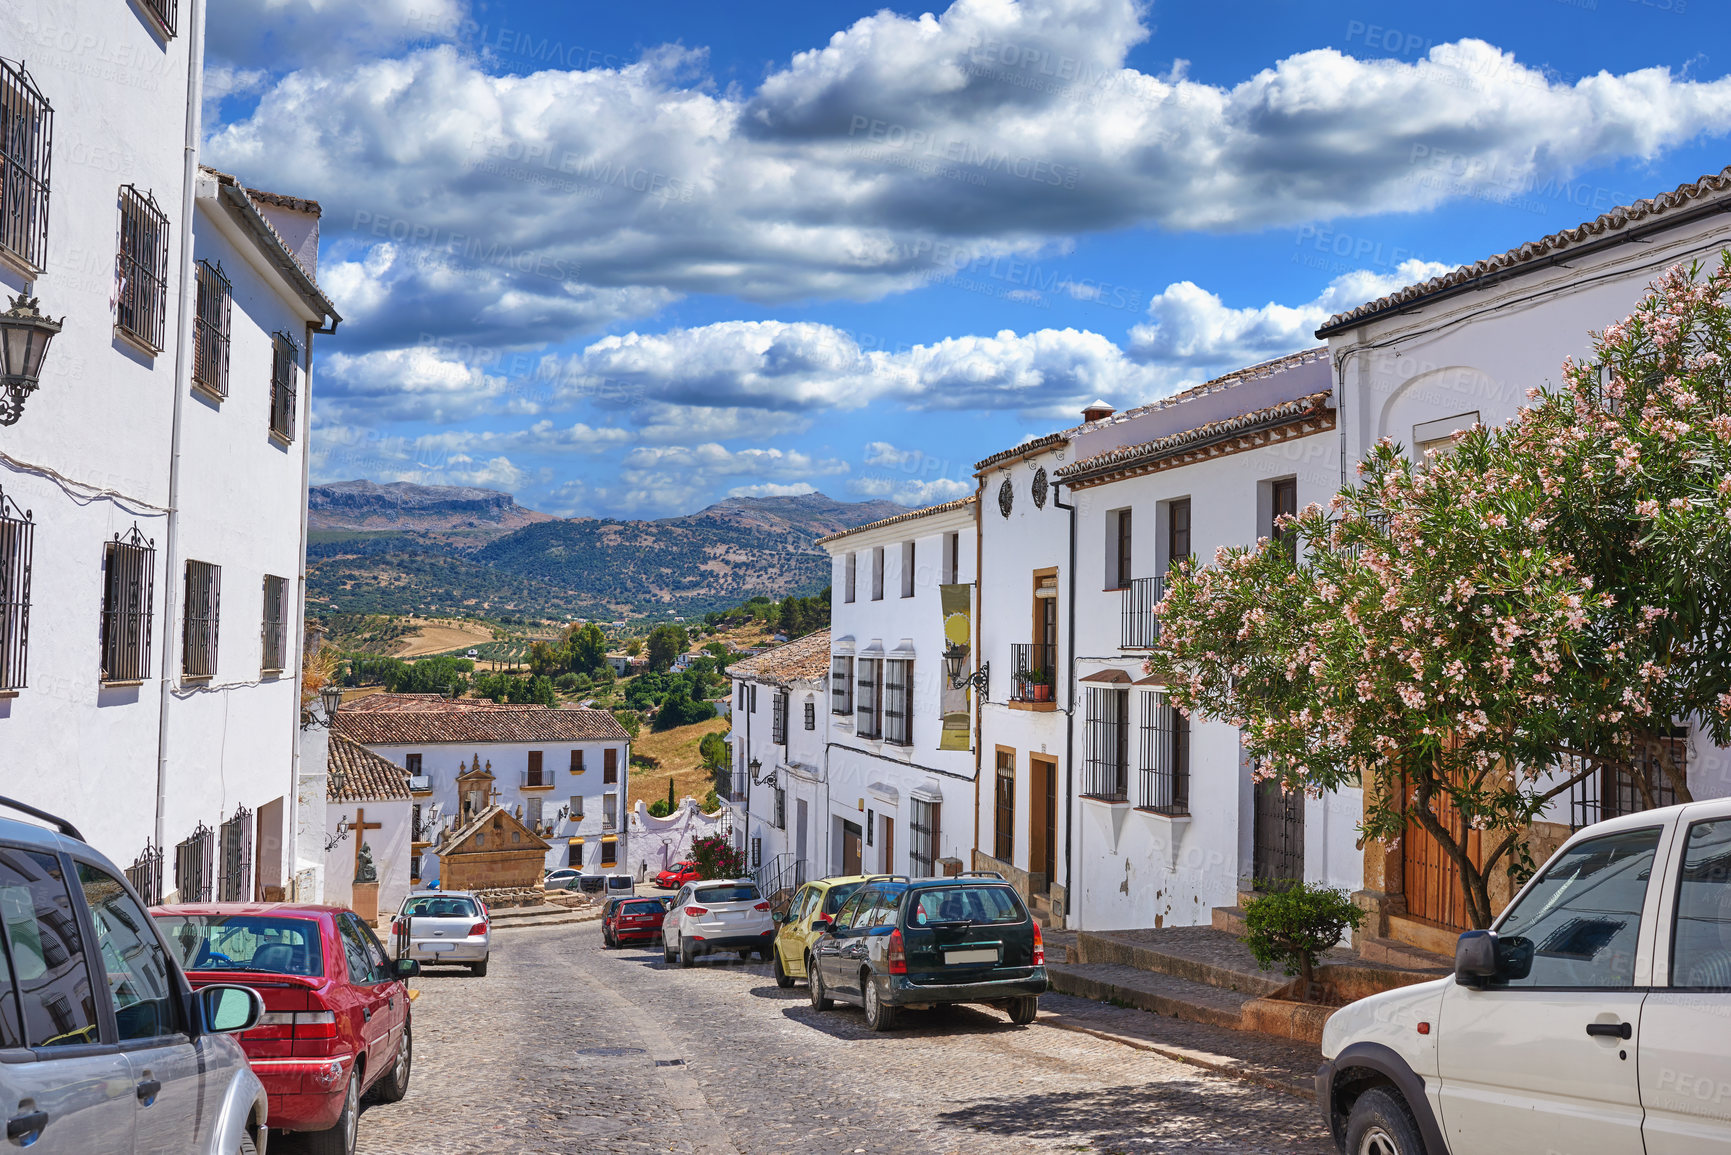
pixel 912 944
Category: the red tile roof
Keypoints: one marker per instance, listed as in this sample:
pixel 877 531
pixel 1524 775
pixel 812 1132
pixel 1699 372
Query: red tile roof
pixel 897 519
pixel 427 719
pixel 356 774
pixel 803 660
pixel 1147 455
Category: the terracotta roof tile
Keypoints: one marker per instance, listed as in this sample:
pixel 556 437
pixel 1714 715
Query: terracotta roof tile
pixel 1131 456
pixel 1602 226
pixel 803 659
pixel 897 519
pixel 1026 447
pixel 356 774
pixel 427 719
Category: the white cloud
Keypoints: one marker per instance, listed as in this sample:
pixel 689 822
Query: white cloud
pixel 415 383
pixel 887 455
pixel 1190 325
pixel 673 479
pixel 909 492
pixel 772 489
pixel 293 33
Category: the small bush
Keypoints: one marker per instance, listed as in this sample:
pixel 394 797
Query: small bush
pixel 659 808
pixel 1291 927
pixel 716 857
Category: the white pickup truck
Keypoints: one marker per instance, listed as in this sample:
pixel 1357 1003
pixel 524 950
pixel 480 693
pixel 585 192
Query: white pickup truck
pixel 1593 1019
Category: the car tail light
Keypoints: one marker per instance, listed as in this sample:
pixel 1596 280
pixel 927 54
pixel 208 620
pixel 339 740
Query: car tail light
pixel 273 1025
pixel 697 911
pixel 897 953
pixel 315 1025
pixel 478 928
pixel 396 928
pixel 1039 947
pixel 761 906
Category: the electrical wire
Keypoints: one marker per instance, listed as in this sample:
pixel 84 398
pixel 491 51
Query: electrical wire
pixel 83 494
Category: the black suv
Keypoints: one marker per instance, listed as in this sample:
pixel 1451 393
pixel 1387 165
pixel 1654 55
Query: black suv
pixel 912 944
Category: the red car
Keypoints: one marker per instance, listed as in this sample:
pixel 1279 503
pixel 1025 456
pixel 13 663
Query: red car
pixel 632 920
pixel 336 1023
pixel 677 875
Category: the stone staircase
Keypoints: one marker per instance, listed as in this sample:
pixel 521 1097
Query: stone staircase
pixel 516 918
pixel 1040 906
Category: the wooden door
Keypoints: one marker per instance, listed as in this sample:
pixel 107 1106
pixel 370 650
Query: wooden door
pixel 1278 835
pixel 850 848
pixel 1431 879
pixel 887 842
pixel 1042 816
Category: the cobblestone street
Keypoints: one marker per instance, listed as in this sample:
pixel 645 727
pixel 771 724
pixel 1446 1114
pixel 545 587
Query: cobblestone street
pixel 566 1047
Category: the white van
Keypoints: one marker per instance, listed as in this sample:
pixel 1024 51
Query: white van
pixel 1593 1019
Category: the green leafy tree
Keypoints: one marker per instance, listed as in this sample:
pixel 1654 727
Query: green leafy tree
pixel 588 646
pixel 1467 638
pixel 633 648
pixel 666 642
pixel 631 720
pixel 713 749
pixel 1291 927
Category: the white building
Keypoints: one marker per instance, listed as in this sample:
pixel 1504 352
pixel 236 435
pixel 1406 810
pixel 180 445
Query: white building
pixel 367 805
pixel 563 772
pixel 779 793
pixel 1170 824
pixel 152 523
pixel 901 766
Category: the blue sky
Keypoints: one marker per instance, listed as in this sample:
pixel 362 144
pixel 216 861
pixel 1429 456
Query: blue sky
pixel 628 260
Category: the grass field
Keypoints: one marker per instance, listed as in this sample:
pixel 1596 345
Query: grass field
pixel 676 750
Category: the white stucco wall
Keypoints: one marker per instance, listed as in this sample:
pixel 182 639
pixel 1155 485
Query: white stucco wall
pixel 389 845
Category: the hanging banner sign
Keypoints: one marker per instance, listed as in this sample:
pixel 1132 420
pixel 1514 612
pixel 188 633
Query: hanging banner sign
pixel 957 604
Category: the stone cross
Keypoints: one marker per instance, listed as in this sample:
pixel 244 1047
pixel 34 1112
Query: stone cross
pixel 361 826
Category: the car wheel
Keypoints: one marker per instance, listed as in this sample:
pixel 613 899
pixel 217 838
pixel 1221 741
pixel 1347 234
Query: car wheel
pixel 782 978
pixel 819 1000
pixel 1381 1124
pixel 880 1016
pixel 667 954
pixel 687 954
pixel 340 1139
pixel 247 1146
pixel 1023 1010
pixel 395 1084
pixel 479 970
pixel 608 942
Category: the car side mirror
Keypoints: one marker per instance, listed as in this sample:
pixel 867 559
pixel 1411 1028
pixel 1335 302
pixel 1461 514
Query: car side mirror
pixel 777 917
pixel 1476 958
pixel 225 1010
pixel 407 968
pixel 822 923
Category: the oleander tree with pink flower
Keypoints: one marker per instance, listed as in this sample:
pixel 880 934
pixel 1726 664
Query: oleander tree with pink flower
pixel 1468 636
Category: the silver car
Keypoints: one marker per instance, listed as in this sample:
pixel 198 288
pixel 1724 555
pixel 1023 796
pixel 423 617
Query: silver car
pixel 137 1063
pixel 446 927
pixel 716 915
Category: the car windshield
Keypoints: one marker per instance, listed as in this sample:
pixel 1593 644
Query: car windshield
pixel 967 904
pixel 838 895
pixel 440 906
pixel 650 906
pixel 235 942
pixel 733 892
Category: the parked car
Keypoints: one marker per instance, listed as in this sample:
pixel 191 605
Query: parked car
pixel 718 914
pixel 899 944
pixel 796 935
pixel 336 1023
pixel 630 919
pixel 447 927
pixel 564 878
pixel 1590 1018
pixel 677 875
pixel 139 1062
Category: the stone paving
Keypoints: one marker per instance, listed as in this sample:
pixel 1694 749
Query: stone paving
pixel 566 1047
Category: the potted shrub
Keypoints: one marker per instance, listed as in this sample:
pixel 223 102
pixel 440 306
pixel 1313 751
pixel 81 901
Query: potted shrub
pixel 1042 680
pixel 1291 927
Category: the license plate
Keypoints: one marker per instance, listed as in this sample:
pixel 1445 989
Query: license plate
pixel 964 957
pixel 438 947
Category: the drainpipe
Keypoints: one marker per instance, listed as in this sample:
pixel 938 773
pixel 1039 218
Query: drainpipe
pixel 980 698
pixel 182 335
pixel 1069 714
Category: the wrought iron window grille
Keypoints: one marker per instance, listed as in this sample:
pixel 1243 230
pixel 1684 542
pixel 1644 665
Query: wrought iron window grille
pixel 128 603
pixel 898 703
pixel 274 629
pixel 1105 767
pixel 166 13
pixel 841 685
pixel 285 365
pixel 193 876
pixel 1033 672
pixel 1164 775
pixel 235 841
pixel 203 616
pixel 26 138
pixel 17 547
pixel 1140 626
pixel 211 329
pixel 141 267
pixel 145 874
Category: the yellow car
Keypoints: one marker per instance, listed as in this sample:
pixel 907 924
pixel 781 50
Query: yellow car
pixel 795 935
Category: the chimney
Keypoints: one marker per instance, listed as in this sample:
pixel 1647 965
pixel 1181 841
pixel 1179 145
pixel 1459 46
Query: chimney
pixel 1098 411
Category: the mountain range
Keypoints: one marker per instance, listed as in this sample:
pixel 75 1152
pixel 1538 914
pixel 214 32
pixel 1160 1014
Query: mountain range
pixel 416 549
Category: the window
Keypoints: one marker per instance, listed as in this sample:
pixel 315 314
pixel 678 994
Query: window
pixel 868 719
pixel 1105 768
pixel 285 365
pixel 574 854
pixel 898 703
pixel 210 330
pixel 610 766
pixel 532 813
pixel 952 558
pixel 1435 438
pixel 841 685
pixel 1283 496
pixel 1701 935
pixel 780 808
pixel 211 942
pixel 907 569
pixel 199 628
pixel 1577 926
pixel 1611 791
pixel 850 567
pixel 129 588
pixel 751 697
pixel 363 967
pixel 1177 531
pixel 274 628
pixel 47 955
pixel 576 804
pixel 165 12
pixel 1119 572
pixel 878 574
pixel 140 977
pixel 141 298
pixel 17 544
pixel 26 131
pixel 742 695
pixel 810 715
pixel 1004 794
pixel 609 811
pixel 778 718
pixel 576 761
pixel 412 764
pixel 923 853
pixel 1164 785
pixel 536 775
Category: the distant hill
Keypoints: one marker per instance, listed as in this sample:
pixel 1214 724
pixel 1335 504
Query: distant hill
pixel 404 548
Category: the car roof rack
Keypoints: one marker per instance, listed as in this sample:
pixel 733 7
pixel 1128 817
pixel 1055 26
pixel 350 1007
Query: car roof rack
pixel 871 878
pixel 53 820
pixel 980 874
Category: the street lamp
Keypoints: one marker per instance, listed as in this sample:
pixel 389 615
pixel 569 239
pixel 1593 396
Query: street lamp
pixel 24 337
pixel 956 660
pixel 331 698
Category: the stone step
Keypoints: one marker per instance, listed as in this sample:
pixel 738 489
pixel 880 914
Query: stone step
pixel 527 914
pixel 542 923
pixel 1149 991
pixel 1230 919
pixel 1400 954
pixel 1196 954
